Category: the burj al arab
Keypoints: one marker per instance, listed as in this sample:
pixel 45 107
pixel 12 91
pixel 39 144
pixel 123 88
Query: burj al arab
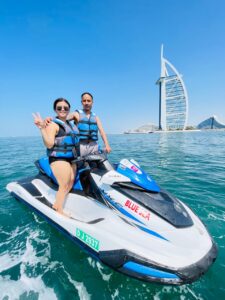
pixel 173 98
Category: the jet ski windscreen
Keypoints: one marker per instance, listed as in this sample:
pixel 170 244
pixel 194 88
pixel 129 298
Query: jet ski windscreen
pixel 162 204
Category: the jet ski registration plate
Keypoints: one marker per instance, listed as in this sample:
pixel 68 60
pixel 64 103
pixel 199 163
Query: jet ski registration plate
pixel 87 239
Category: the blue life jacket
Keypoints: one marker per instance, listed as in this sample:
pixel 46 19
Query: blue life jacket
pixel 88 127
pixel 66 141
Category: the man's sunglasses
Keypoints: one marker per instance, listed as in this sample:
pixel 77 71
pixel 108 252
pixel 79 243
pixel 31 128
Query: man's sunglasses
pixel 59 108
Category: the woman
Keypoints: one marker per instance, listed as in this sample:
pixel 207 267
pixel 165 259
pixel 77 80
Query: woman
pixel 61 139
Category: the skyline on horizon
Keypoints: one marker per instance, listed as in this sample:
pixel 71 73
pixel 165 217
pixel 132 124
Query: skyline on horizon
pixel 112 49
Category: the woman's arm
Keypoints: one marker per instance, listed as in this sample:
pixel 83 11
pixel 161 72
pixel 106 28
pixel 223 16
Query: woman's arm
pixel 48 133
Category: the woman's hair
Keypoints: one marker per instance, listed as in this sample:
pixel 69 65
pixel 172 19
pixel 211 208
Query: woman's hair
pixel 60 100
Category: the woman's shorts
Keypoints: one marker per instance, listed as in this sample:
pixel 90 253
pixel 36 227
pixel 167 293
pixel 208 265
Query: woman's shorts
pixel 53 159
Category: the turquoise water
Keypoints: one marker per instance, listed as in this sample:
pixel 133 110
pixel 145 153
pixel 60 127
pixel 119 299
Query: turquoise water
pixel 38 262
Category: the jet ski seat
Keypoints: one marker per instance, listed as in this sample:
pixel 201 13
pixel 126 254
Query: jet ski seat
pixel 45 168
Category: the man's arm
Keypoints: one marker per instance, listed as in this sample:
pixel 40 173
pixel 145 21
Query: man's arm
pixel 73 116
pixel 103 135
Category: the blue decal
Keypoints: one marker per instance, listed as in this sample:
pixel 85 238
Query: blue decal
pixel 135 267
pixel 118 207
pixel 143 180
pixel 152 233
pixel 124 212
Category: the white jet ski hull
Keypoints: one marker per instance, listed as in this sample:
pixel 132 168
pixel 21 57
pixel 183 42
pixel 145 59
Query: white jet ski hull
pixel 148 251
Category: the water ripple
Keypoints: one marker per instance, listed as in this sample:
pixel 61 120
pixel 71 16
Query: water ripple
pixel 36 261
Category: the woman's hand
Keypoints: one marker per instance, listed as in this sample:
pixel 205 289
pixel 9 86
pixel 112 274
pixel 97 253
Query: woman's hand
pixel 38 121
pixel 47 121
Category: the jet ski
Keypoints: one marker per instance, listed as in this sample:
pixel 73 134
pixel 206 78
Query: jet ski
pixel 123 218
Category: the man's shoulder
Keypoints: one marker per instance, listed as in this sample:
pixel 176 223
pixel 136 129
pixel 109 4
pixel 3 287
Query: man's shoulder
pixel 93 114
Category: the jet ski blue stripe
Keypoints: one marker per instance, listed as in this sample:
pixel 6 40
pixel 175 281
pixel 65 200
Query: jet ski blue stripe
pixel 152 233
pixel 124 212
pixel 144 270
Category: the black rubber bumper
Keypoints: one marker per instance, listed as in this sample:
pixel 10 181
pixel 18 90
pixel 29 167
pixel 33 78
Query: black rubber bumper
pixel 118 258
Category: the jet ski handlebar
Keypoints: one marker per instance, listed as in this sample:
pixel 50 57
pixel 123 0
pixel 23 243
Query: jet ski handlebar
pixel 97 156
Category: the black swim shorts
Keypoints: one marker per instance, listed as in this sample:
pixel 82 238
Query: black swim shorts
pixel 53 159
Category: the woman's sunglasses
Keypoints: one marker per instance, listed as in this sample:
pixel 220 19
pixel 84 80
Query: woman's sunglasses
pixel 65 108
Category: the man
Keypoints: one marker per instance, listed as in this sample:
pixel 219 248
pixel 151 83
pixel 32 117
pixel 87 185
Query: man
pixel 89 124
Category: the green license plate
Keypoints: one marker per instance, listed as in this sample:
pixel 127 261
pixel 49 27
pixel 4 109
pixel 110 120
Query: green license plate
pixel 87 239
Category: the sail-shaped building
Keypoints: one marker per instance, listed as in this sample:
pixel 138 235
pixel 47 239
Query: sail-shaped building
pixel 173 98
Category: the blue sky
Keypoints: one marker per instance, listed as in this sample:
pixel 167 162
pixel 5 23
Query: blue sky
pixel 61 48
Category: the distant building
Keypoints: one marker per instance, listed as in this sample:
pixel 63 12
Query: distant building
pixel 147 128
pixel 173 99
pixel 211 123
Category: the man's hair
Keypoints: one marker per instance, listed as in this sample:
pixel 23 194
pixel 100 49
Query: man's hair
pixel 86 93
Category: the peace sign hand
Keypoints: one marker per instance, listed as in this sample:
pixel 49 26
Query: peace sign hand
pixel 38 121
